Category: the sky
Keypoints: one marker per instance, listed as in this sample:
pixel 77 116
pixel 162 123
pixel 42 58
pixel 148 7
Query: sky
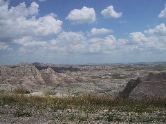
pixel 82 31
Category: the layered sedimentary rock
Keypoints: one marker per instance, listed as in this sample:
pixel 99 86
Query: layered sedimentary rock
pixel 21 76
pixel 30 77
pixel 151 86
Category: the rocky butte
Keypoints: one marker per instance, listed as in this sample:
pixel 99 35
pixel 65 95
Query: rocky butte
pixel 151 86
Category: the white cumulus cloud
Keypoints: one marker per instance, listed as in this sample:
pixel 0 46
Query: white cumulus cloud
pixel 28 41
pixel 22 11
pixel 162 13
pixel 110 12
pixel 70 42
pixel 21 20
pixel 153 38
pixel 102 45
pixel 138 37
pixel 84 15
pixel 158 30
pixel 100 31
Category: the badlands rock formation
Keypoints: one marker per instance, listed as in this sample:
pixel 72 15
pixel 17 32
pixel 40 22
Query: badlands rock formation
pixel 64 79
pixel 151 86
pixel 30 77
pixel 21 76
pixel 78 79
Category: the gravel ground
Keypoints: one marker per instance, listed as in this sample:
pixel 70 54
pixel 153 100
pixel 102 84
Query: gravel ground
pixel 32 115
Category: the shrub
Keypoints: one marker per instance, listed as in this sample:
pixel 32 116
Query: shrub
pixel 21 113
pixel 21 91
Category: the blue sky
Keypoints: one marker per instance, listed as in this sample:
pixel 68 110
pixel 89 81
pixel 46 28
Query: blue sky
pixel 82 31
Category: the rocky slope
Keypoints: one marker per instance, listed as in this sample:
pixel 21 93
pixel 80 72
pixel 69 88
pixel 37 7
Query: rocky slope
pixel 21 76
pixel 151 86
pixel 30 77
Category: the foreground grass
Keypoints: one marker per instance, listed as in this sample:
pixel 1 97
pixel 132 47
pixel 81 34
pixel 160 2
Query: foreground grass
pixel 86 108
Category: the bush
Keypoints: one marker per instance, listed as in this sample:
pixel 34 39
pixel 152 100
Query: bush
pixel 21 91
pixel 21 113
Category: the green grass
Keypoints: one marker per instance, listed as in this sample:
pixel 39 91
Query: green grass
pixel 83 100
pixel 118 76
